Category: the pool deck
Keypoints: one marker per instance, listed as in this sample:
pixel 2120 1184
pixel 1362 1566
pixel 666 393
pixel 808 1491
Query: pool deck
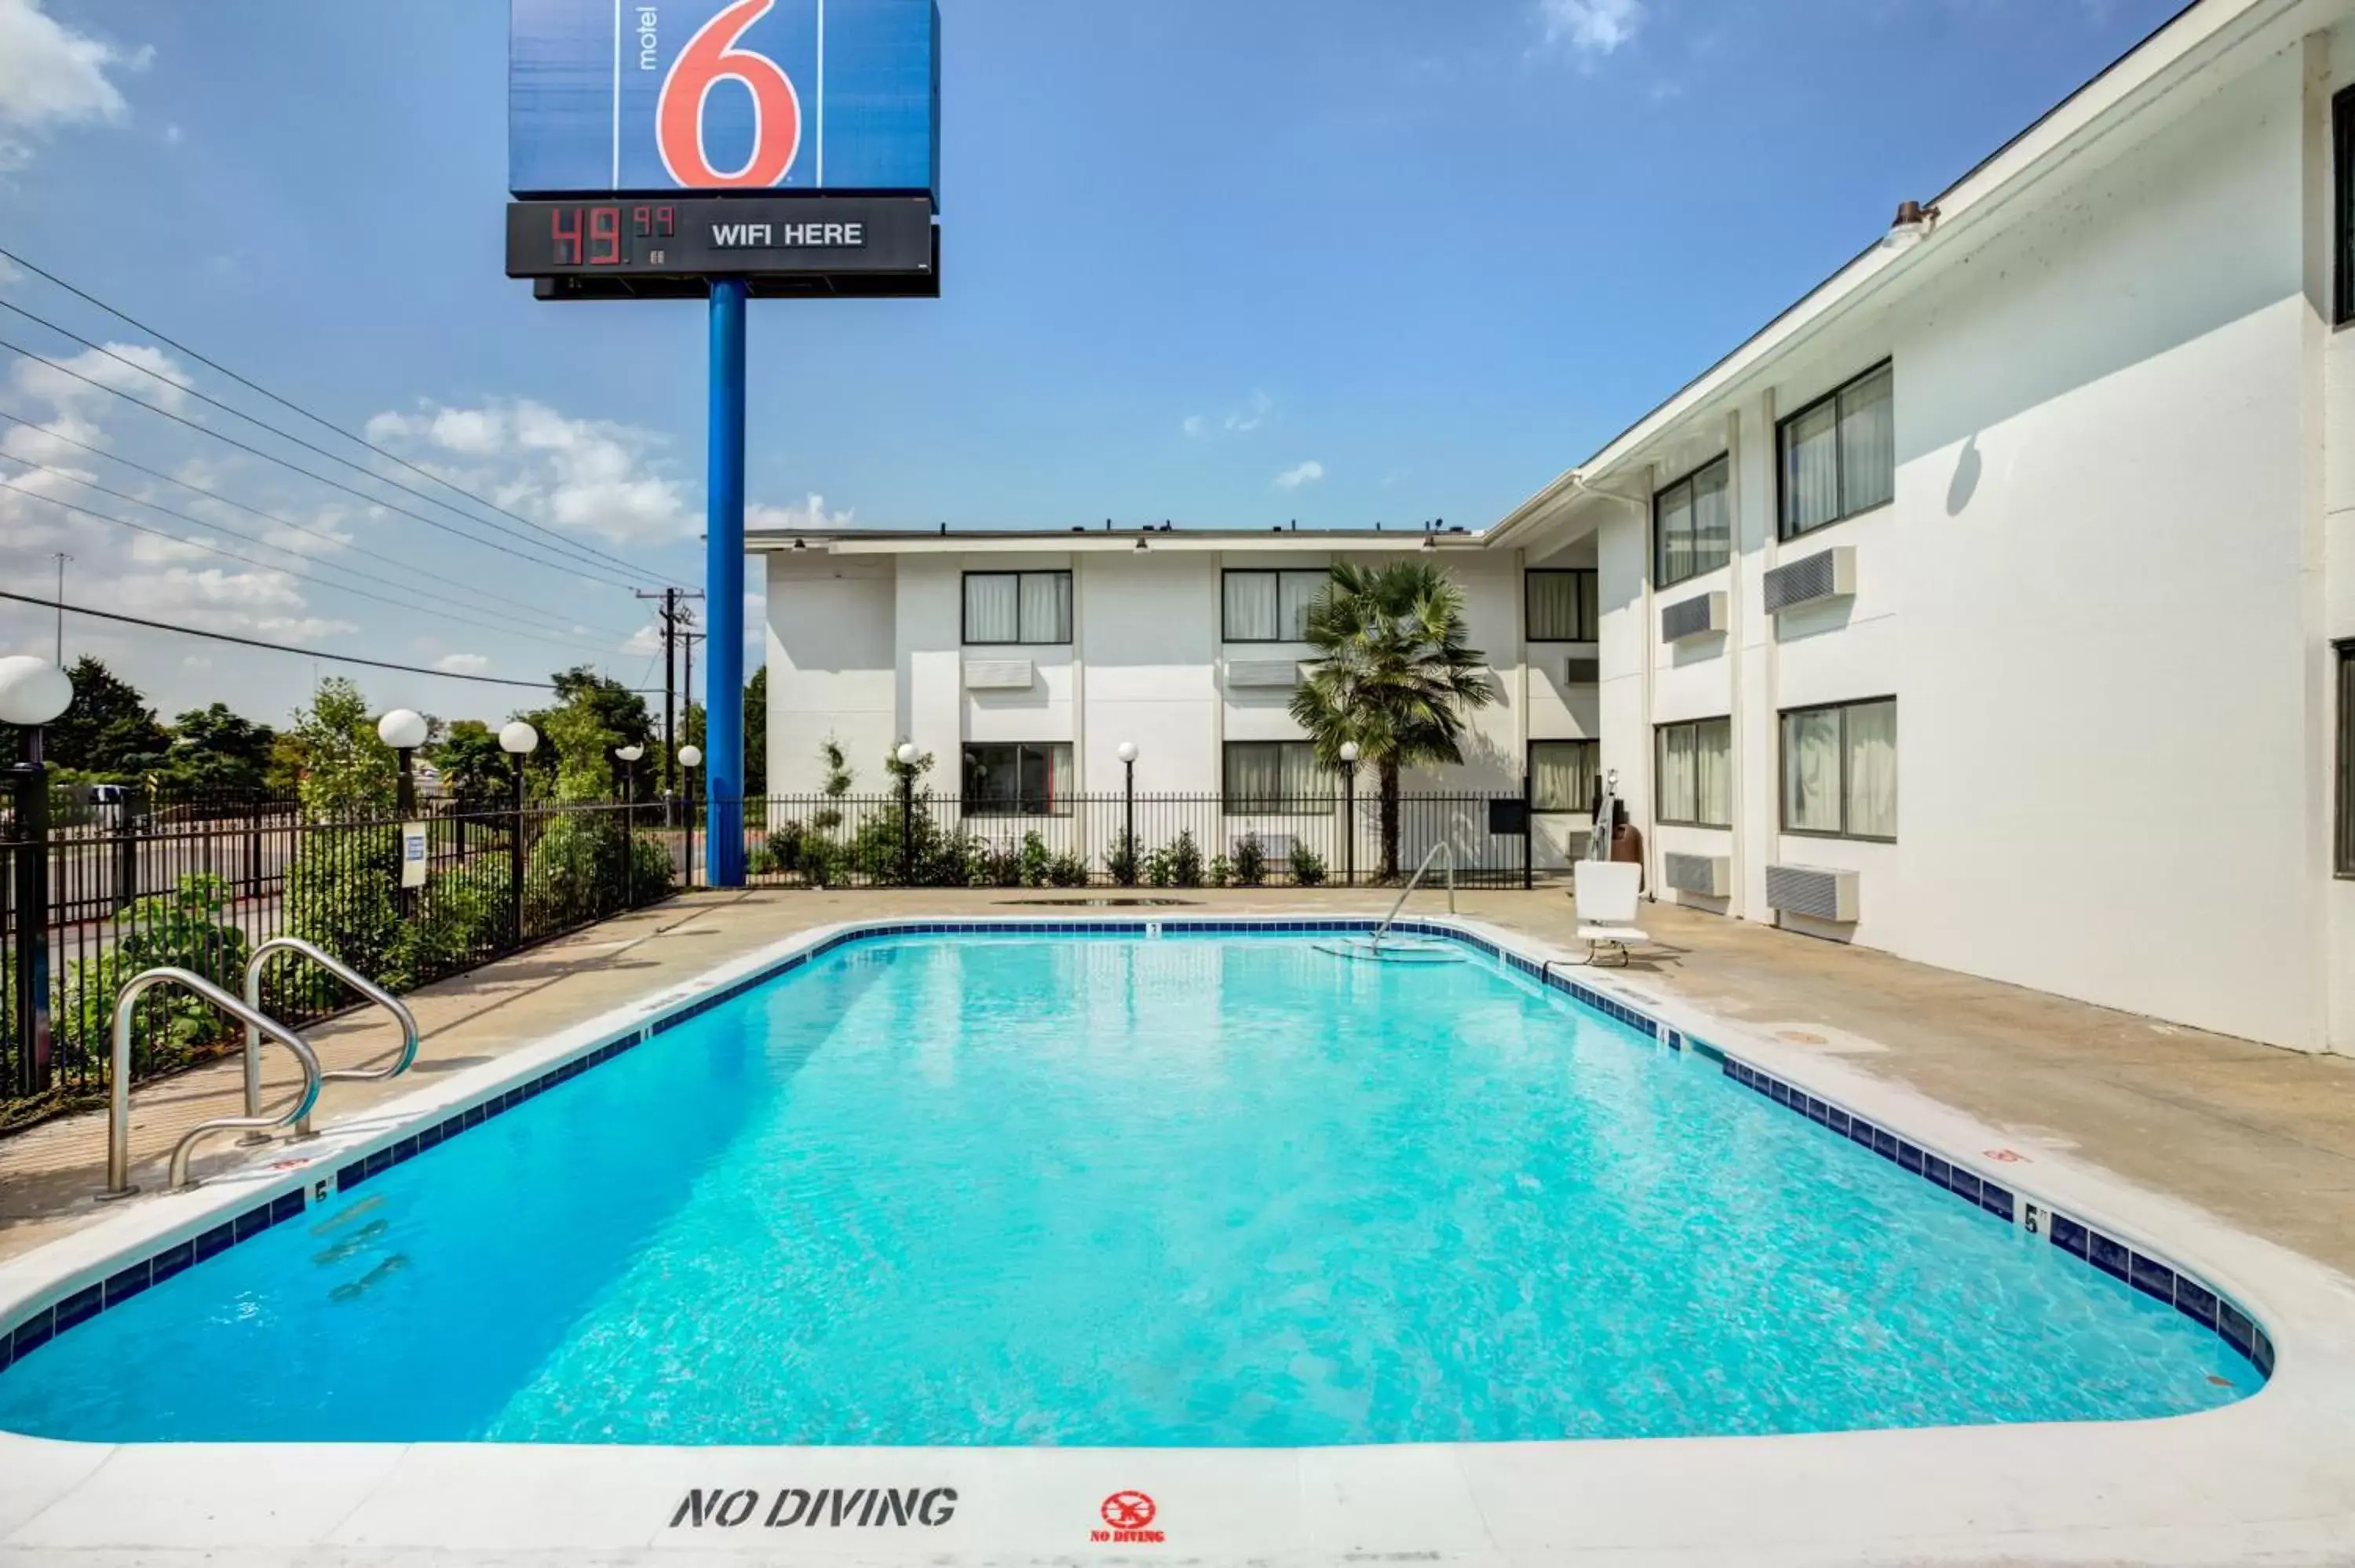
pixel 2260 1137
pixel 2233 1158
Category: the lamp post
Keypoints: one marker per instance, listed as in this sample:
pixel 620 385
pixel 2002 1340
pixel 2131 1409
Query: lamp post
pixel 629 755
pixel 518 740
pixel 1349 813
pixel 32 692
pixel 690 757
pixel 907 754
pixel 1127 755
pixel 403 729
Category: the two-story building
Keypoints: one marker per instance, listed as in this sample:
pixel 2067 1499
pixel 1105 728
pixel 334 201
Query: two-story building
pixel 1994 605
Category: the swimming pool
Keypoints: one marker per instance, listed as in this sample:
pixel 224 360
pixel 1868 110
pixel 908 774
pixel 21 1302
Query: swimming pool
pixel 1205 1188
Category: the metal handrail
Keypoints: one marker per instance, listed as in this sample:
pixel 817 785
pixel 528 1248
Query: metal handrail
pixel 1442 847
pixel 117 1116
pixel 350 976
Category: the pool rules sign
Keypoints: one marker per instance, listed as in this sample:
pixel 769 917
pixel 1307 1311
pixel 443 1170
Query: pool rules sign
pixel 727 149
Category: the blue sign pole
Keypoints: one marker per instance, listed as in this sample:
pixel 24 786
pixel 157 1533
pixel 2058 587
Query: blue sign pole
pixel 723 584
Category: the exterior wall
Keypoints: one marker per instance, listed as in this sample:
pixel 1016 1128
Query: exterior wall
pixel 1557 710
pixel 832 666
pixel 2104 593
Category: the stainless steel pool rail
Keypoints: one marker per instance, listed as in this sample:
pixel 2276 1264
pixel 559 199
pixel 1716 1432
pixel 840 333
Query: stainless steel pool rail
pixel 118 1115
pixel 1441 848
pixel 352 978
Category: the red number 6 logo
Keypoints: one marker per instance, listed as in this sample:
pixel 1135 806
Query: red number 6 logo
pixel 710 58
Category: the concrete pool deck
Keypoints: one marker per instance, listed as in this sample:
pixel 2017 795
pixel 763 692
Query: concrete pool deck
pixel 2270 1478
pixel 2260 1137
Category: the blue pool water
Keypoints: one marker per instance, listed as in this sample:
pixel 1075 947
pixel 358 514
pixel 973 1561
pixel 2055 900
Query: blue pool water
pixel 1196 1190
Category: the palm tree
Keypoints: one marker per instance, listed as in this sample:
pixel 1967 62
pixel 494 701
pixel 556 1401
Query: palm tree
pixel 1393 674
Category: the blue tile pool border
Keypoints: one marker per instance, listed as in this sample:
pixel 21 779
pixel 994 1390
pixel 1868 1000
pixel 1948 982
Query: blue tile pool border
pixel 2144 1272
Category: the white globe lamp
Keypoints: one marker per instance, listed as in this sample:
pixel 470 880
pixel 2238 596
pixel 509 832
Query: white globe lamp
pixel 629 753
pixel 403 729
pixel 690 756
pixel 519 738
pixel 32 692
pixel 907 754
pixel 1125 752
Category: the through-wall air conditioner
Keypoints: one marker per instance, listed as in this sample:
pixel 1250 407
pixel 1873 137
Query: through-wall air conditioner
pixel 998 674
pixel 1272 673
pixel 1811 579
pixel 1817 892
pixel 1710 875
pixel 1700 616
pixel 1584 670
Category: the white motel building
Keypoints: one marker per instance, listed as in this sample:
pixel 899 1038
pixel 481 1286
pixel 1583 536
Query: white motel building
pixel 1993 606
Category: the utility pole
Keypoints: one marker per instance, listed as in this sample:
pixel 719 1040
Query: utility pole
pixel 674 616
pixel 62 558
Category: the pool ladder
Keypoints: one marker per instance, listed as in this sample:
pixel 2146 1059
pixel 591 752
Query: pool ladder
pixel 258 1023
pixel 1442 847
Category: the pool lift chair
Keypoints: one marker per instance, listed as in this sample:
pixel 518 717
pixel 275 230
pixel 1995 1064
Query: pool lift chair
pixel 1382 948
pixel 1605 891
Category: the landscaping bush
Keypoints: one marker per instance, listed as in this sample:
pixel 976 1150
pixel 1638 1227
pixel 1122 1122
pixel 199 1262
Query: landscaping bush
pixel 189 928
pixel 586 866
pixel 1175 864
pixel 1307 866
pixel 1123 861
pixel 1067 871
pixel 1249 862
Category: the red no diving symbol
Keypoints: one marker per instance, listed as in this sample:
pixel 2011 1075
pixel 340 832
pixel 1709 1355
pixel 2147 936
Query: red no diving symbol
pixel 1129 1511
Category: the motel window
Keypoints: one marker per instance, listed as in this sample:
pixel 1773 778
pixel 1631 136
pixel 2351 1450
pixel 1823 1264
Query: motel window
pixel 1692 524
pixel 1270 607
pixel 1839 454
pixel 2346 863
pixel 1696 773
pixel 1018 606
pixel 1563 774
pixel 1561 606
pixel 1276 777
pixel 1839 771
pixel 2342 180
pixel 1021 781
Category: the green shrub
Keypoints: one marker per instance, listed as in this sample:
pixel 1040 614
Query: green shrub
pixel 189 927
pixel 1307 866
pixel 587 866
pixel 1035 860
pixel 1067 871
pixel 1251 861
pixel 1123 861
pixel 1175 864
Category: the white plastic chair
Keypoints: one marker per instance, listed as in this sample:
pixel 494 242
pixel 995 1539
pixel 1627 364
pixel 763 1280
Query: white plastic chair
pixel 1604 892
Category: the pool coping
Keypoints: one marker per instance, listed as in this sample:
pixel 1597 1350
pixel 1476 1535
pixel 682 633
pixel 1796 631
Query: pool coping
pixel 2300 1318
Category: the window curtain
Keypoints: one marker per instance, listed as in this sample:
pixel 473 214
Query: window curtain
pixel 1255 776
pixel 1811 469
pixel 1554 606
pixel 1712 518
pixel 1561 776
pixel 1045 609
pixel 1303 781
pixel 1714 773
pixel 1060 786
pixel 993 608
pixel 1590 615
pixel 1811 771
pixel 1675 521
pixel 1872 770
pixel 1250 607
pixel 1868 444
pixel 1677 747
pixel 1298 591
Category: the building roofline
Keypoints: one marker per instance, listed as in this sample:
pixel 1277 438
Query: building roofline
pixel 2033 151
pixel 977 541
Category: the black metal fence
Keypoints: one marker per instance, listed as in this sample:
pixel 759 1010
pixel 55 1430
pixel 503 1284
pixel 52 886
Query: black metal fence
pixel 129 889
pixel 1119 841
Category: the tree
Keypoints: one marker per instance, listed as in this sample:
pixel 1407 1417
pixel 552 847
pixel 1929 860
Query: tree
pixel 474 768
pixel 216 752
pixel 593 714
pixel 1393 674
pixel 345 770
pixel 109 729
pixel 756 734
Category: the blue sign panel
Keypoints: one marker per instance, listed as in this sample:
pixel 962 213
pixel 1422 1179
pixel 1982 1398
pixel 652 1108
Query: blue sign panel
pixel 771 96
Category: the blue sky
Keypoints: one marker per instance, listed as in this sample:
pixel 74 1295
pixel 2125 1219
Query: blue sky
pixel 1222 262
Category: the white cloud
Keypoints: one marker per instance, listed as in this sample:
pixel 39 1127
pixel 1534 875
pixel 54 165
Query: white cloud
pixel 1292 478
pixel 174 135
pixel 462 664
pixel 810 514
pixel 131 367
pixel 579 476
pixel 1588 27
pixel 52 76
pixel 1257 411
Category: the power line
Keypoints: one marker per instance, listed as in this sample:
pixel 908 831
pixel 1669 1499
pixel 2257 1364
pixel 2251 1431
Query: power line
pixel 574 568
pixel 574 649
pixel 494 602
pixel 322 423
pixel 284 648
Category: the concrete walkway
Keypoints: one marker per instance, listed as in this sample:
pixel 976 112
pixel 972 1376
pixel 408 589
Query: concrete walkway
pixel 2264 1139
